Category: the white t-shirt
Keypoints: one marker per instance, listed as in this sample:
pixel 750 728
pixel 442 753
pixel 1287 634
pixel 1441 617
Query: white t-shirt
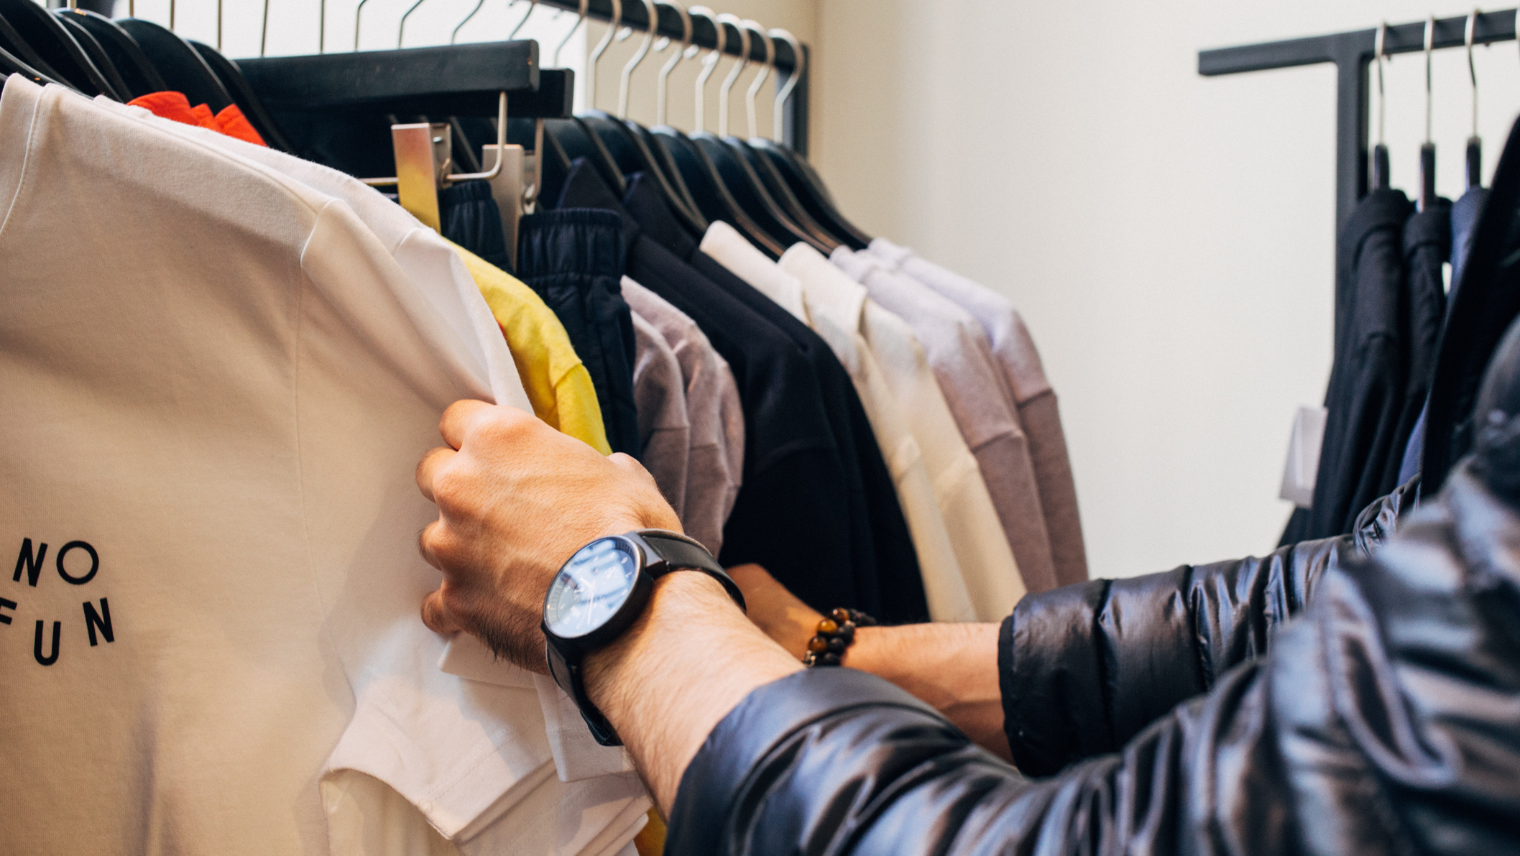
pixel 219 382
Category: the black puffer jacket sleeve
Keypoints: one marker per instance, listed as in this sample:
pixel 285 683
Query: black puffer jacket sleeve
pixel 1084 668
pixel 1384 720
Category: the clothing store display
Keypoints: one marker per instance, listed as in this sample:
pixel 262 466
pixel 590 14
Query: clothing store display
pixel 468 216
pixel 175 107
pixel 715 458
pixel 796 511
pixel 1367 380
pixel 988 567
pixel 553 376
pixel 282 638
pixel 883 546
pixel 944 582
pixel 1039 414
pixel 574 261
pixel 664 426
pixel 979 399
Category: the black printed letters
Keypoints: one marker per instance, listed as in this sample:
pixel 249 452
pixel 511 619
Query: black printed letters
pixel 103 621
pixel 78 564
pixel 30 563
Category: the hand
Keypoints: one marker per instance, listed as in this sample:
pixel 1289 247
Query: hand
pixel 776 611
pixel 515 500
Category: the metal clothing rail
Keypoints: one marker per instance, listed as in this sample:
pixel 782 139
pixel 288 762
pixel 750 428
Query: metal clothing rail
pixel 1352 52
pixel 668 23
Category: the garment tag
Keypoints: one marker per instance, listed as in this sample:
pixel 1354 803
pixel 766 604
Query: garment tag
pixel 1303 456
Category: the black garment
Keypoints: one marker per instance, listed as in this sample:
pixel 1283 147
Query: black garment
pixel 574 260
pixel 1427 246
pixel 792 513
pixel 1382 721
pixel 878 525
pixel 468 216
pixel 1368 378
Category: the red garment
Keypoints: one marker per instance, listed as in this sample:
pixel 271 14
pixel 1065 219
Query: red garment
pixel 175 106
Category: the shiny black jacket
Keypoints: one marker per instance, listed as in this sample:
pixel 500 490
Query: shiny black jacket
pixel 1385 719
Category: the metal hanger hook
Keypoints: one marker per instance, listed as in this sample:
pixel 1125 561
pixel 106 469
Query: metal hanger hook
pixel 765 71
pixel 454 36
pixel 613 24
pixel 573 27
pixel 638 57
pixel 401 30
pixel 733 74
pixel 1379 57
pixel 1472 72
pixel 799 62
pixel 675 59
pixel 532 4
pixel 1430 45
pixel 709 62
pixel 263 29
pixel 358 17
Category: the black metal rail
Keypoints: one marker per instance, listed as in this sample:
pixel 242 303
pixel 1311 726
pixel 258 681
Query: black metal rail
pixel 1352 52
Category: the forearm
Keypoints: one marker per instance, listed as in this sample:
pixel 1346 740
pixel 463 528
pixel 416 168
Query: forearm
pixel 951 667
pixel 688 660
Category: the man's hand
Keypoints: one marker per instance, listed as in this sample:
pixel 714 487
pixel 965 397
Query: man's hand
pixel 516 499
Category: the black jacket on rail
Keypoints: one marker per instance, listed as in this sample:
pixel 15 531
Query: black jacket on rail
pixel 1385 719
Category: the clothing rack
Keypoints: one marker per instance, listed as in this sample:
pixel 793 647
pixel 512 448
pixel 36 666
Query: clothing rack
pixel 1352 52
pixel 794 132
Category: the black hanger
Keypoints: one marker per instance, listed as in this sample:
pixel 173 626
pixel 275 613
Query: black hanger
pixel 578 141
pixel 11 64
pixel 178 63
pixel 94 51
pixel 751 195
pixel 812 193
pixel 12 43
pixel 707 187
pixel 131 63
pixel 47 36
pixel 667 166
pixel 555 168
pixel 231 77
pixel 776 186
pixel 632 155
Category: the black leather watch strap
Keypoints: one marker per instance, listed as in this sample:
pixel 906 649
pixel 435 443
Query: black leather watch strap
pixel 681 552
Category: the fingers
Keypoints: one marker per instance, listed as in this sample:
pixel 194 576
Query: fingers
pixel 428 468
pixel 458 418
pixel 436 615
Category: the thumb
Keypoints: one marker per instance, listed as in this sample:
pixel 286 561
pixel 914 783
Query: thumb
pixel 436 615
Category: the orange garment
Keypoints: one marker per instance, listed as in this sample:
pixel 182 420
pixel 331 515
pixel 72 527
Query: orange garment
pixel 175 106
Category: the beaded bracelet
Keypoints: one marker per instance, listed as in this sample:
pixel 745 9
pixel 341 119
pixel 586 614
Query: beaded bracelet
pixel 834 635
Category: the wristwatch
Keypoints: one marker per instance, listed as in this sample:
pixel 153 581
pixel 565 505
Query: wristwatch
pixel 601 591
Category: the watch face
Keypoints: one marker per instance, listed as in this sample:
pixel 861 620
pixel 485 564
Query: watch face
pixel 591 587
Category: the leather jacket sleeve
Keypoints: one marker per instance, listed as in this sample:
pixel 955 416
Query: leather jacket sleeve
pixel 1086 667
pixel 1382 721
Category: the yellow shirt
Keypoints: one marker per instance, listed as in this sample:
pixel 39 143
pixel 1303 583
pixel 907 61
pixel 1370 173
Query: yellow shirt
pixel 557 383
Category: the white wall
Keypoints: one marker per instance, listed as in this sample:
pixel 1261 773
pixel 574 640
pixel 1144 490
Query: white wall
pixel 1169 238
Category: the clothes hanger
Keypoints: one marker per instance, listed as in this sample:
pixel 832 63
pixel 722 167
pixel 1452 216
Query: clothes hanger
pixel 125 53
pixel 1380 176
pixel 667 165
pixel 630 151
pixel 1474 156
pixel 573 135
pixel 56 46
pixel 742 181
pixel 1428 148
pixel 707 187
pixel 796 172
pixel 231 78
pixel 772 181
pixel 178 63
pixel 94 51
pixel 12 64
pixel 12 43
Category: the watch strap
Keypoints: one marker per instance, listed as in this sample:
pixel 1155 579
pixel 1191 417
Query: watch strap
pixel 680 552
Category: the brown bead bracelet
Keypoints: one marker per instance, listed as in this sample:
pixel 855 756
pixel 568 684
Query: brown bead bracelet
pixel 835 634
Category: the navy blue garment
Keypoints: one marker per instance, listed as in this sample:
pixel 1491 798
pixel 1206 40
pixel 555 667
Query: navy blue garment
pixel 793 514
pixel 878 522
pixel 574 260
pixel 468 216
